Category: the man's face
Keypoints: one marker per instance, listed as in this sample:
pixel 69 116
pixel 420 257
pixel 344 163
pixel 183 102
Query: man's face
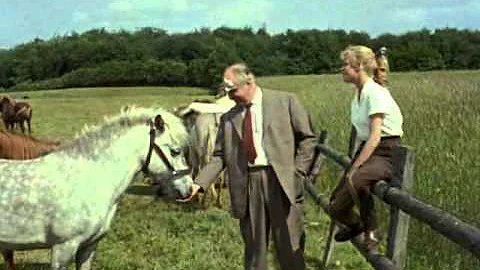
pixel 235 91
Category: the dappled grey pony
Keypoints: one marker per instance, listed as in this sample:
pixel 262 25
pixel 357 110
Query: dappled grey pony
pixel 66 199
pixel 202 134
pixel 202 120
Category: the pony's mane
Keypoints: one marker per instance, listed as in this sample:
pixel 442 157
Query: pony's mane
pixel 128 117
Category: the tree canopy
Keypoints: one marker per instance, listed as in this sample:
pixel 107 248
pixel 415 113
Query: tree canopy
pixel 151 56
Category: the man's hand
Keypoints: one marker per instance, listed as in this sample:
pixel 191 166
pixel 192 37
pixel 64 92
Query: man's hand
pixel 195 189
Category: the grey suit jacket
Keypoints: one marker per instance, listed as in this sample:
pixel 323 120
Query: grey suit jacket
pixel 288 140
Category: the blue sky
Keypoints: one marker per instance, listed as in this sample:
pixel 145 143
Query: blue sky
pixel 24 20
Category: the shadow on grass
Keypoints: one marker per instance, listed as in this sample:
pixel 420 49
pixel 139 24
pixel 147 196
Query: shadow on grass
pixel 315 262
pixel 30 266
pixel 148 190
pixel 142 190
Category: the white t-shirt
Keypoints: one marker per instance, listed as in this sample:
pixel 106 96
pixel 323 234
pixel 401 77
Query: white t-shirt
pixel 375 99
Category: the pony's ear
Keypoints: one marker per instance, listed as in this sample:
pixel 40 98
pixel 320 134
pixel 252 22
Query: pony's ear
pixel 159 123
pixel 149 122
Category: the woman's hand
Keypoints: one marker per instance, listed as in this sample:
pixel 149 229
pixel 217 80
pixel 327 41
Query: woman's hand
pixel 350 173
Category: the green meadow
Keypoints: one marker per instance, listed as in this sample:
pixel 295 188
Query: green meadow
pixel 441 123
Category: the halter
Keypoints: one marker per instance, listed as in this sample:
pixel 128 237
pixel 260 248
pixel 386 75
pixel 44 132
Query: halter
pixel 172 174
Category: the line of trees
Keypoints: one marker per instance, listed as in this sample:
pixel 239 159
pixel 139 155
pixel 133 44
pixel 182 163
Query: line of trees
pixel 151 56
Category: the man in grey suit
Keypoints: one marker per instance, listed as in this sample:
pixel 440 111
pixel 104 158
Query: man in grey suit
pixel 266 143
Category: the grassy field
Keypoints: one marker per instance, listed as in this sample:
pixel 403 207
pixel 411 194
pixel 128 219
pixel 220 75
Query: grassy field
pixel 441 115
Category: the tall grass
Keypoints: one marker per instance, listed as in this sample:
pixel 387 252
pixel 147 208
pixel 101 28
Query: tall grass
pixel 441 115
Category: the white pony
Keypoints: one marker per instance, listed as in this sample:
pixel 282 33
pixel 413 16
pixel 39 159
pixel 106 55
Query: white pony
pixel 202 120
pixel 66 200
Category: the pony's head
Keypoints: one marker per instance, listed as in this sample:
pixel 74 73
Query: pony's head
pixel 7 100
pixel 153 137
pixel 7 106
pixel 165 162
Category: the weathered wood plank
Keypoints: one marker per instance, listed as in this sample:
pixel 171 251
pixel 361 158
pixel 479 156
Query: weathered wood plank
pixel 333 228
pixel 446 224
pixel 402 178
pixel 342 160
pixel 377 260
pixel 330 245
pixel 320 199
pixel 319 159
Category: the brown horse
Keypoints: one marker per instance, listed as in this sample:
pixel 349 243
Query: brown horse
pixel 14 112
pixel 13 146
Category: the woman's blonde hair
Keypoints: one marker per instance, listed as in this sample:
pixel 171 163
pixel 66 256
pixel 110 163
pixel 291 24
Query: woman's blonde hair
pixel 361 57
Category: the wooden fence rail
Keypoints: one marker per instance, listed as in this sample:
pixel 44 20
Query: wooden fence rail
pixel 403 205
pixel 464 234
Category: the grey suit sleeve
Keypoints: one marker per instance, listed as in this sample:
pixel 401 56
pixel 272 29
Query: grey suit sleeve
pixel 215 166
pixel 305 139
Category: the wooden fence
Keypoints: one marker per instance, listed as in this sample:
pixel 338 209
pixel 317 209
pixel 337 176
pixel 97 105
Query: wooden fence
pixel 402 206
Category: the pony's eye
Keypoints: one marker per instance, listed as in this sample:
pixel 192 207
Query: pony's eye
pixel 175 152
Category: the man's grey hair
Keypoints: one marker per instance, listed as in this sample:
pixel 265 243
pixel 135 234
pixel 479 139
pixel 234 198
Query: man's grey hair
pixel 242 73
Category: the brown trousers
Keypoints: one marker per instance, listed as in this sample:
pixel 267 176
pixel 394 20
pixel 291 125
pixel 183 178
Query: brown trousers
pixel 270 210
pixel 377 167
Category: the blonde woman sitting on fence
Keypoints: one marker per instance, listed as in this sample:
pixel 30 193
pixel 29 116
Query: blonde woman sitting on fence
pixel 378 123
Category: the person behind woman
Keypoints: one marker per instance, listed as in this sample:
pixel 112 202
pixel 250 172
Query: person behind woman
pixel 377 120
pixel 382 70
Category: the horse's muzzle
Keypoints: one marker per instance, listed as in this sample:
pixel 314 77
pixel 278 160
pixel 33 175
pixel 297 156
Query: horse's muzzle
pixel 180 196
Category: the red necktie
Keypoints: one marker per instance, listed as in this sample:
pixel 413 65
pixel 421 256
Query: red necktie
pixel 248 144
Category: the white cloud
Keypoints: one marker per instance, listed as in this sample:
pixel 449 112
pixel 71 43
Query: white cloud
pixel 121 6
pixel 241 13
pixel 179 5
pixel 150 6
pixel 80 16
pixel 410 15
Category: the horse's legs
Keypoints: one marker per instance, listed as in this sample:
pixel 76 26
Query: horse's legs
pixel 22 127
pixel 63 254
pixel 30 121
pixel 221 182
pixel 29 126
pixel 86 252
pixel 10 125
pixel 8 259
pixel 84 257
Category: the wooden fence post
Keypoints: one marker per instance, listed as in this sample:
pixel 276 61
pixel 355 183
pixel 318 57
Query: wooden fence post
pixel 333 228
pixel 402 178
pixel 317 164
pixel 327 253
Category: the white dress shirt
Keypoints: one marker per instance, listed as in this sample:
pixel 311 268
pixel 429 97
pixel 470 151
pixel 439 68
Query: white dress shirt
pixel 257 125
